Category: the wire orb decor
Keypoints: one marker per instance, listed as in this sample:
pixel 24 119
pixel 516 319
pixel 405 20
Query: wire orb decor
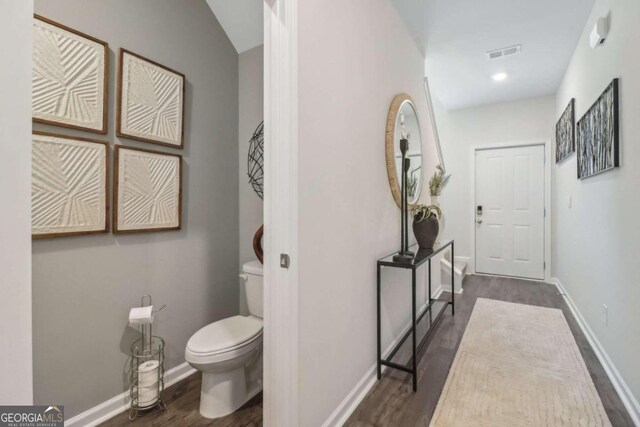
pixel 255 160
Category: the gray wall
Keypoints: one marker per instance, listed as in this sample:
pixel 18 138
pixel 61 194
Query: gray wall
pixel 251 90
pixel 15 214
pixel 83 287
pixel 596 240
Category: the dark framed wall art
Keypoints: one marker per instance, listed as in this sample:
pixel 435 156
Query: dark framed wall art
pixel 598 134
pixel 565 133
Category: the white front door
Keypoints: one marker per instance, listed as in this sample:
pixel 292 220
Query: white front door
pixel 509 211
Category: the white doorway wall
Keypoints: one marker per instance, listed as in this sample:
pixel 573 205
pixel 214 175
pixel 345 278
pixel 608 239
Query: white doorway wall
pixel 280 388
pixel 16 361
pixel 509 211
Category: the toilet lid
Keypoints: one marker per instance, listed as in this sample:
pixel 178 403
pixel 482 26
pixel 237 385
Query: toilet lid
pixel 225 334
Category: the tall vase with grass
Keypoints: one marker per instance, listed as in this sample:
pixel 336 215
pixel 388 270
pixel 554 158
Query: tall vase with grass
pixel 437 183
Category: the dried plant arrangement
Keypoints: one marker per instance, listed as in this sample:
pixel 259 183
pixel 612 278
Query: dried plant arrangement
pixel 438 181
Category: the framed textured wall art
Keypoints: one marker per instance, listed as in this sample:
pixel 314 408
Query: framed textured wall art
pixel 565 133
pixel 70 74
pixel 69 186
pixel 598 134
pixel 148 191
pixel 150 104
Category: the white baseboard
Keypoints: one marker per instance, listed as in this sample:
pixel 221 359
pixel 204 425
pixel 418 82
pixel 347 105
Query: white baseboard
pixel 447 288
pixel 120 403
pixel 438 292
pixel 353 399
pixel 628 399
pixel 344 410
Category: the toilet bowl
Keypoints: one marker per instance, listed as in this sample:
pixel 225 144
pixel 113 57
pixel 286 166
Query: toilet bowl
pixel 229 353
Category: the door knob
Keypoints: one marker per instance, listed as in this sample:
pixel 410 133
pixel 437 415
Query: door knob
pixel 479 221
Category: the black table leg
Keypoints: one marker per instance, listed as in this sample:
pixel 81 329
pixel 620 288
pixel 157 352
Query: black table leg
pixel 379 345
pixel 413 328
pixel 453 275
pixel 430 281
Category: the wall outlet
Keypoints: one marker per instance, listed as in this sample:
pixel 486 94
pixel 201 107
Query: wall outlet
pixel 605 314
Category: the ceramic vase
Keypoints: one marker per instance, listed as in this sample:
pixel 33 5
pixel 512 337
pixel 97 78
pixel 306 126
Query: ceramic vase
pixel 426 232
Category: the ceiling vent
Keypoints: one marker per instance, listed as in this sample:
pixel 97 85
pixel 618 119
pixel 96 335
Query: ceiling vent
pixel 507 51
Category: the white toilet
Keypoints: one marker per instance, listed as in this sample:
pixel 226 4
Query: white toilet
pixel 229 353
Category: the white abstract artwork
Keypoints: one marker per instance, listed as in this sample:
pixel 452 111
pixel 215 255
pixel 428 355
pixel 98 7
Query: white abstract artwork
pixel 68 186
pixel 148 190
pixel 151 101
pixel 69 77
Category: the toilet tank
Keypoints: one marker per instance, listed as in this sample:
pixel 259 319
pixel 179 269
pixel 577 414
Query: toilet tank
pixel 252 275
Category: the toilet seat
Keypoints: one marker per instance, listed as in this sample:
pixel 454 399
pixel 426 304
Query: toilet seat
pixel 225 339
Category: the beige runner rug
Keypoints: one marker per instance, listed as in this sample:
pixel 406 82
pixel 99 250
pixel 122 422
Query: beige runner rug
pixel 518 365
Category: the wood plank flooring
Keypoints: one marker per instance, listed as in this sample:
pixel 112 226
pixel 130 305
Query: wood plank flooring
pixel 391 401
pixel 183 400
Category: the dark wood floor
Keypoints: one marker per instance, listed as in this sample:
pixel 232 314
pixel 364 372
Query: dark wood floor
pixel 391 401
pixel 183 400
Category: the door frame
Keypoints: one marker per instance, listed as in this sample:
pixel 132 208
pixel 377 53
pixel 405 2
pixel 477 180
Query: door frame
pixel 547 199
pixel 280 339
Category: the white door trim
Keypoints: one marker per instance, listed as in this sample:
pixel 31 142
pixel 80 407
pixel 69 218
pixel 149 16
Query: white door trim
pixel 280 214
pixel 547 199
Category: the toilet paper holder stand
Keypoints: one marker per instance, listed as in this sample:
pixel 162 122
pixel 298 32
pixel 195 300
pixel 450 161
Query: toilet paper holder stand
pixel 147 368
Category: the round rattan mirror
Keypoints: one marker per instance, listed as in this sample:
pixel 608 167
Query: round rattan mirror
pixel 402 121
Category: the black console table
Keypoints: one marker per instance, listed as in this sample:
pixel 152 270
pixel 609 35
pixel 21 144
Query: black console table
pixel 423 322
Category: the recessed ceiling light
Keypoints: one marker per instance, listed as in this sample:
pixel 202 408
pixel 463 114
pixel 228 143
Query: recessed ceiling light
pixel 498 77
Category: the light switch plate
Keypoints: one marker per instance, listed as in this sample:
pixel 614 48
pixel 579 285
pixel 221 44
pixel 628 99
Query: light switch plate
pixel 284 261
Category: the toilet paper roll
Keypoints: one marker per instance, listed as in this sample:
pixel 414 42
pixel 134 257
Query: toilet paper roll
pixel 141 315
pixel 147 396
pixel 148 377
pixel 148 373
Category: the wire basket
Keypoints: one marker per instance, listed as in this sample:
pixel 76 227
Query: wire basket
pixel 147 374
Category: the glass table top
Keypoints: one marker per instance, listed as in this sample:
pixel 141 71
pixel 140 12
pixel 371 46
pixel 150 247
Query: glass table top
pixel 420 256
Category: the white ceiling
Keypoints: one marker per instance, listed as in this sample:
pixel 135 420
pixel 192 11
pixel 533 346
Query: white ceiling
pixel 456 34
pixel 242 20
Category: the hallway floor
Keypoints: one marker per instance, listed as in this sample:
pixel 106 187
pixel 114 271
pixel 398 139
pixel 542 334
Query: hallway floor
pixel 391 401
